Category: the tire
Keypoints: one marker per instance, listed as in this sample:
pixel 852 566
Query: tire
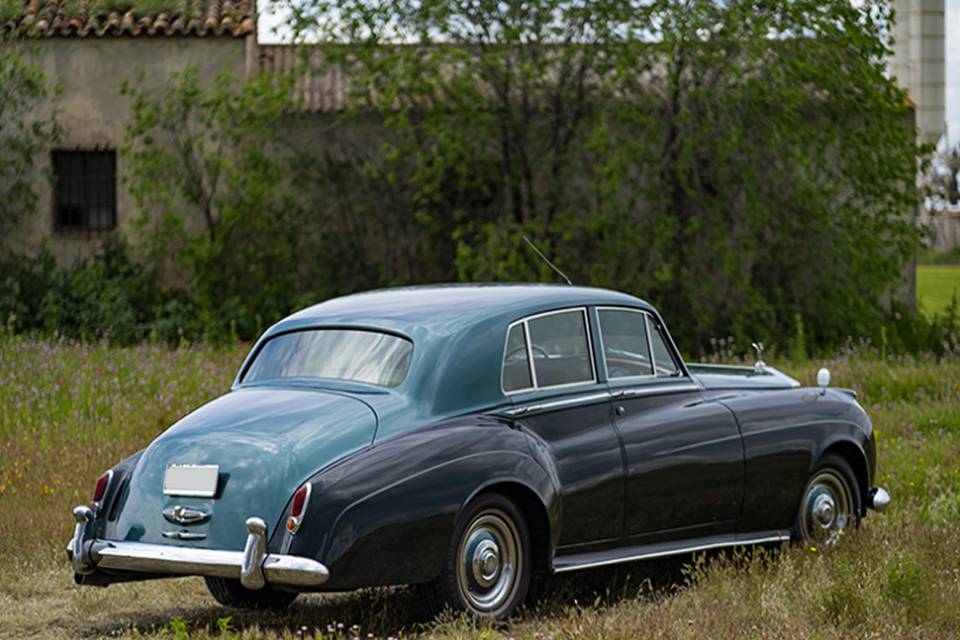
pixel 487 568
pixel 230 593
pixel 830 505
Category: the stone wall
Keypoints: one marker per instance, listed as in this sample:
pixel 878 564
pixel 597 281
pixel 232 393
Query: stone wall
pixel 94 116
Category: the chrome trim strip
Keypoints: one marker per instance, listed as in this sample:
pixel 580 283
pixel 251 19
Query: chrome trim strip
pixel 653 356
pixel 530 366
pixel 632 392
pixel 250 566
pixel 557 404
pixel 732 542
pixel 654 389
pixel 183 535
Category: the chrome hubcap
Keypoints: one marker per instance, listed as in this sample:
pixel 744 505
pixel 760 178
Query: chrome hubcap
pixel 823 510
pixel 485 563
pixel 827 508
pixel 489 560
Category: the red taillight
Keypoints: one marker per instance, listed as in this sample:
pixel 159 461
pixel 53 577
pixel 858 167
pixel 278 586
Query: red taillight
pixel 100 489
pixel 297 507
pixel 299 499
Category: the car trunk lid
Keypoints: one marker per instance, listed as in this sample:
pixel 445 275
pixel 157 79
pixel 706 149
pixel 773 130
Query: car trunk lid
pixel 266 442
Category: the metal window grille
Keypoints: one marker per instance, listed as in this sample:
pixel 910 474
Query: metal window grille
pixel 85 196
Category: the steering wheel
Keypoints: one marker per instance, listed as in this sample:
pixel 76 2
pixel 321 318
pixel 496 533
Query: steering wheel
pixel 533 348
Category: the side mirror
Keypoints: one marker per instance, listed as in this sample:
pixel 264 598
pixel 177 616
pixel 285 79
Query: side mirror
pixel 823 380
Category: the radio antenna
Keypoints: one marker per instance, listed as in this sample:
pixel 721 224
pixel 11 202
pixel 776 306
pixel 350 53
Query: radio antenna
pixel 545 259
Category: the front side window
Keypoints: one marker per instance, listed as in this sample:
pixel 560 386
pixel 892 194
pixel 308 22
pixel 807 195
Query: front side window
pixel 341 354
pixel 626 350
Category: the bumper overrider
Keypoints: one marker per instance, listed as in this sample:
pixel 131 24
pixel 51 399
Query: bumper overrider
pixel 254 567
pixel 878 499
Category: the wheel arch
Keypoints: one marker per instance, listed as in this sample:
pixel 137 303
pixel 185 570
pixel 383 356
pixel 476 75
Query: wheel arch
pixel 413 489
pixel 532 507
pixel 857 459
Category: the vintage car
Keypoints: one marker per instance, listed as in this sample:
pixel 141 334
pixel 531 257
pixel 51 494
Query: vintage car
pixel 463 438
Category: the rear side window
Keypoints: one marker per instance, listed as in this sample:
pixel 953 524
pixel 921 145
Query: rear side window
pixel 559 346
pixel 666 363
pixel 516 363
pixel 626 350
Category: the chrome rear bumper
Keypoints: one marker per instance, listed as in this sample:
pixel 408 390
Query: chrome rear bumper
pixel 253 566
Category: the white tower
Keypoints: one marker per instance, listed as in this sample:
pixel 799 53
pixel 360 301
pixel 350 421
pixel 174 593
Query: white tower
pixel 918 62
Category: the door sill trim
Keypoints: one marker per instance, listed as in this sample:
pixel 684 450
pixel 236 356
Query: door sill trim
pixel 576 561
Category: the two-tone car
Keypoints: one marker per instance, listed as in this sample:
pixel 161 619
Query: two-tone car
pixel 464 438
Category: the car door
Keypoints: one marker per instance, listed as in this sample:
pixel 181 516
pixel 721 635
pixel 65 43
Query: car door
pixel 684 454
pixel 560 399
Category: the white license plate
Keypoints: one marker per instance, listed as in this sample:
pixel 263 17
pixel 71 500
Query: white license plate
pixel 198 480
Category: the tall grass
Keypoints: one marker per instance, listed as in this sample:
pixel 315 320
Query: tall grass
pixel 68 411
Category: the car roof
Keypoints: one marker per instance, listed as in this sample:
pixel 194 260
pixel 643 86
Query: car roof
pixel 459 334
pixel 449 308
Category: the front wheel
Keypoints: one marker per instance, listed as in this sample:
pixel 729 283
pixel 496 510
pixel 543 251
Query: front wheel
pixel 830 507
pixel 488 564
pixel 231 593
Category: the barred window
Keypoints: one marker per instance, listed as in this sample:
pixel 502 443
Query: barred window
pixel 85 195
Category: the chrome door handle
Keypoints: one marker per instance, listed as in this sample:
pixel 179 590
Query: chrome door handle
pixel 620 410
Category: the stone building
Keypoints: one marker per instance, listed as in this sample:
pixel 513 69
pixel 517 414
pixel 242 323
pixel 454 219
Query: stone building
pixel 89 49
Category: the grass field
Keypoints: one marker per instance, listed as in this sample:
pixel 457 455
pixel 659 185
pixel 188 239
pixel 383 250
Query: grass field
pixel 936 286
pixel 69 411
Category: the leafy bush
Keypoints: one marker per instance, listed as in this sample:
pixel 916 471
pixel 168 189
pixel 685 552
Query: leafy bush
pixel 109 297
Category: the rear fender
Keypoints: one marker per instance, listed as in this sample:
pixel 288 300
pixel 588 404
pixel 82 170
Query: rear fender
pixel 386 515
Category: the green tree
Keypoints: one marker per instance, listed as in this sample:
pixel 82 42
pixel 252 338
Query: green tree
pixel 208 168
pixel 24 93
pixel 738 163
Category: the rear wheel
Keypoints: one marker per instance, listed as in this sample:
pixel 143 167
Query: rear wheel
pixel 488 564
pixel 831 504
pixel 231 593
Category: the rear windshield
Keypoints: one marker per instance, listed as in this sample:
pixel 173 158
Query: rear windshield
pixel 341 354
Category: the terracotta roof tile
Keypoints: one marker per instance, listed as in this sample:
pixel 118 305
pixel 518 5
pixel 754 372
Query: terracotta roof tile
pixel 134 18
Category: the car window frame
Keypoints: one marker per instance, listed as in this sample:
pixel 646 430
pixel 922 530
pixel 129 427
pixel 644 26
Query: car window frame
pixel 584 312
pixel 652 321
pixel 649 340
pixel 262 342
pixel 657 325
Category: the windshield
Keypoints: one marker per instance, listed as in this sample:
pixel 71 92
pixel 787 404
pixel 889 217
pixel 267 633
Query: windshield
pixel 341 354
